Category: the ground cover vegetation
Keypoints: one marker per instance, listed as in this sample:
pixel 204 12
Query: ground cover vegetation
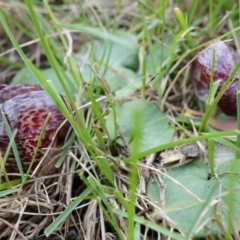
pixel 137 162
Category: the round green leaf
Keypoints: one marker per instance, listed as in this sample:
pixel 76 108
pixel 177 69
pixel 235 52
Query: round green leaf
pixel 118 64
pixel 153 125
pixel 189 183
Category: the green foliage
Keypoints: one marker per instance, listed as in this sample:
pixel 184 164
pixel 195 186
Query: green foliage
pixel 116 62
pixel 197 204
pixel 121 65
pixel 66 213
pixel 154 129
pixel 157 58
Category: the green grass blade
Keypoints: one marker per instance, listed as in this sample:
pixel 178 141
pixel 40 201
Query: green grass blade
pixel 13 144
pixel 136 157
pixel 70 208
pixel 150 224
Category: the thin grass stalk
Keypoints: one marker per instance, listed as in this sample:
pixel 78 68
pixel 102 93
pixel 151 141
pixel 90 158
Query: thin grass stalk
pixel 133 175
pixel 4 159
pixel 211 156
pixel 8 192
pixel 100 194
pixel 238 97
pixel 36 149
pixel 114 27
pixel 184 25
pixel 162 10
pixel 194 10
pixel 137 156
pixel 231 187
pixel 98 112
pixel 151 225
pixel 211 94
pixel 14 145
pixel 238 123
pixel 69 209
pixel 8 62
pixel 71 62
pixel 19 26
pixel 82 132
pixel 146 39
pixel 210 15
